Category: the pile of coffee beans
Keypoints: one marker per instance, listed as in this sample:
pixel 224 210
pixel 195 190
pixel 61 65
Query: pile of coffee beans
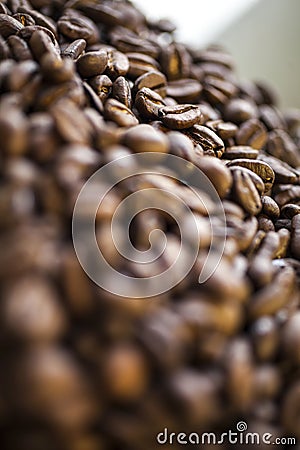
pixel 83 82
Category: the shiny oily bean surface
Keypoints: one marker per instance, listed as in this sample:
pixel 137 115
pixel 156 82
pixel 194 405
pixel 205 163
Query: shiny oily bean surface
pixel 180 116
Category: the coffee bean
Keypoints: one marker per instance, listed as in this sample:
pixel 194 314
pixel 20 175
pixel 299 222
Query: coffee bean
pixel 117 64
pixel 76 26
pixel 260 269
pixel 288 194
pixel 265 224
pixel 245 192
pixel 218 91
pixel 145 138
pixel 282 146
pixel 258 183
pixel 40 43
pixel 19 48
pixel 262 169
pixel 295 234
pixel 148 103
pixel 9 25
pixel 55 69
pixel 39 18
pixel 70 122
pixel 153 80
pixel 283 172
pixel 75 49
pixel 271 117
pixel 225 130
pixel 265 337
pixel 274 296
pixel 184 90
pixel 180 116
pixel 270 207
pixel 289 211
pixel 140 64
pixel 24 19
pixel 38 298
pixel 209 141
pixel 239 110
pixel 119 113
pixel 175 61
pixel 92 63
pixel 102 85
pixel 252 132
pixel 121 91
pixel 240 151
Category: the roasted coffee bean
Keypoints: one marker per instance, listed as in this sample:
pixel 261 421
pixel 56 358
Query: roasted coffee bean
pixel 180 116
pixel 128 42
pixel 175 61
pixel 40 43
pixel 225 130
pixel 271 298
pixel 253 133
pixel 4 49
pixel 271 117
pixel 24 19
pixel 92 63
pixel 117 64
pixel 283 172
pixel 185 90
pixel 260 269
pixel 77 26
pixel 75 49
pixel 262 169
pixel 56 70
pixel 295 236
pixel 283 224
pixel 282 146
pixel 121 91
pixel 289 211
pixel 140 64
pixel 119 113
pixel 214 55
pixel 39 18
pixel 284 237
pixel 19 48
pixel 153 80
pixel 239 110
pixel 245 192
pixel 102 85
pixel 265 337
pixel 38 298
pixel 208 139
pixel 143 138
pixel 240 151
pixel 70 122
pixel 21 75
pixel 148 103
pixel 218 91
pixel 265 224
pixel 9 25
pixel 270 207
pixel 258 183
pixel 287 194
pixel 14 131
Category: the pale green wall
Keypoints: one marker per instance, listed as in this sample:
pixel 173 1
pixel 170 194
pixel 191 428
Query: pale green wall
pixel 266 45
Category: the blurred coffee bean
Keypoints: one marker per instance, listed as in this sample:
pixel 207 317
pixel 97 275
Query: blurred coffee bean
pixel 91 64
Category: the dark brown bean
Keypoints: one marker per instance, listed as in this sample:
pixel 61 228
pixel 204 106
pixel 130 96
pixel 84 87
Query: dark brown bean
pixel 270 207
pixel 273 297
pixel 208 139
pixel 185 90
pixel 117 64
pixel 76 26
pixel 92 63
pixel 283 172
pixel 295 236
pixel 245 192
pixel 253 133
pixel 153 80
pixel 75 49
pixel 19 48
pixel 262 169
pixel 180 116
pixel 240 151
pixel 9 25
pixel 148 103
pixel 121 91
pixel 119 113
pixel 145 138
